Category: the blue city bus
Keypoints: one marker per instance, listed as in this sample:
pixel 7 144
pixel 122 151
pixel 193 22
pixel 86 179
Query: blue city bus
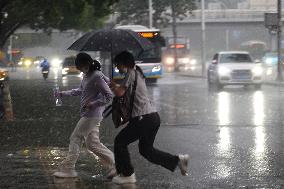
pixel 150 61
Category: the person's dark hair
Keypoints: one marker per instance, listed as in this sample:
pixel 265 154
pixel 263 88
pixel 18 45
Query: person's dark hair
pixel 127 59
pixel 83 59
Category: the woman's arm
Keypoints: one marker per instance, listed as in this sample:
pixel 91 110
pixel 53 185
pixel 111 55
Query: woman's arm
pixel 106 96
pixel 117 89
pixel 72 92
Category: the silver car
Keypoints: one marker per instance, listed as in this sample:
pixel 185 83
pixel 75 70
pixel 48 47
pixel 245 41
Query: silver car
pixel 234 68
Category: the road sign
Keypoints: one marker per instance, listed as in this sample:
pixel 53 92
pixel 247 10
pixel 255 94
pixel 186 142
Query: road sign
pixel 270 20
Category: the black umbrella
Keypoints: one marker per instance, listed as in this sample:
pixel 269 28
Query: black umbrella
pixel 112 40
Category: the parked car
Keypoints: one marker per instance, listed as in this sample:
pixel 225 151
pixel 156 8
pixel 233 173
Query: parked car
pixel 234 68
pixel 68 66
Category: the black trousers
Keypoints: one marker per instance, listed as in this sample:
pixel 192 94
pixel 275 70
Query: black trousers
pixel 144 129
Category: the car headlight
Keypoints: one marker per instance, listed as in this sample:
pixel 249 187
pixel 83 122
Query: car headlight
pixel 268 61
pixel 156 69
pixel 28 62
pixel 257 70
pixel 223 71
pixel 170 61
pixel 193 61
pixel 55 62
pixel 116 70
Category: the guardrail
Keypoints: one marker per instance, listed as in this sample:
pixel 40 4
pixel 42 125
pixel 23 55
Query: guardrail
pixel 228 15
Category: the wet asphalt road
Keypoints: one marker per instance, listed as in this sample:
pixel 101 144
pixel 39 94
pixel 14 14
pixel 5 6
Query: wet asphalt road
pixel 234 137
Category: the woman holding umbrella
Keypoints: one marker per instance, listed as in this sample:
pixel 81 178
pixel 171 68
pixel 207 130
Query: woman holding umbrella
pixel 143 125
pixel 95 94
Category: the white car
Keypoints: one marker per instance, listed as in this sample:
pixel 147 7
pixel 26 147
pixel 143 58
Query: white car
pixel 234 68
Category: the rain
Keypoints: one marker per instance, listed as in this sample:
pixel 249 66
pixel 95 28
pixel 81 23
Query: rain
pixel 213 70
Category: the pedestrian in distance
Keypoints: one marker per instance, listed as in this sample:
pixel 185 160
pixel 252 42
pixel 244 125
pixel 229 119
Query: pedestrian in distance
pixel 95 94
pixel 143 125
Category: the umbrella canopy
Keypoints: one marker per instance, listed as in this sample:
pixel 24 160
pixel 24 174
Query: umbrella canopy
pixel 111 40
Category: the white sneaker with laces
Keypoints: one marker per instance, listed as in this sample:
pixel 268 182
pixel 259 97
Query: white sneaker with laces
pixel 66 173
pixel 120 179
pixel 183 164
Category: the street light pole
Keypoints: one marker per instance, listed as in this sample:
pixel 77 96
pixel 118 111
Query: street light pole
pixel 279 39
pixel 10 49
pixel 150 14
pixel 203 49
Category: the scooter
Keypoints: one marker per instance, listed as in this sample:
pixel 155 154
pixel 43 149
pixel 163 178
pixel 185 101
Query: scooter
pixel 45 73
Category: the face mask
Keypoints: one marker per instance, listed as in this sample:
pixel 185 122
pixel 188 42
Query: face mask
pixel 122 70
pixel 85 69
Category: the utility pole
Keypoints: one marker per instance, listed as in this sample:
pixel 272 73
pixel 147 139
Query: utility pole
pixel 279 39
pixel 203 49
pixel 10 48
pixel 227 39
pixel 174 27
pixel 150 14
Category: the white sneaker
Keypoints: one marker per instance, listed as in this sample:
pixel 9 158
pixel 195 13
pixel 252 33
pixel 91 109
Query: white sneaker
pixel 66 173
pixel 120 179
pixel 183 164
pixel 111 173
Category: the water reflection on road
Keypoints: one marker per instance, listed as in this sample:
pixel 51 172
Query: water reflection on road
pixel 224 108
pixel 48 159
pixel 228 138
pixel 233 136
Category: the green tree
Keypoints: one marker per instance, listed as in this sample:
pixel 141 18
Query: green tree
pixel 48 14
pixel 136 11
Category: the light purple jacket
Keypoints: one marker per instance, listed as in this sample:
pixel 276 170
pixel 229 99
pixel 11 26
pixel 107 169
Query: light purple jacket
pixel 93 88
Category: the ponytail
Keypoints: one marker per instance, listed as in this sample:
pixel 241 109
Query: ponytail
pixel 96 65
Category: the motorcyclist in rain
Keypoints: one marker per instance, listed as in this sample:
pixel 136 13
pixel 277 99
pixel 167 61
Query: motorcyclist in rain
pixel 44 65
pixel 44 68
